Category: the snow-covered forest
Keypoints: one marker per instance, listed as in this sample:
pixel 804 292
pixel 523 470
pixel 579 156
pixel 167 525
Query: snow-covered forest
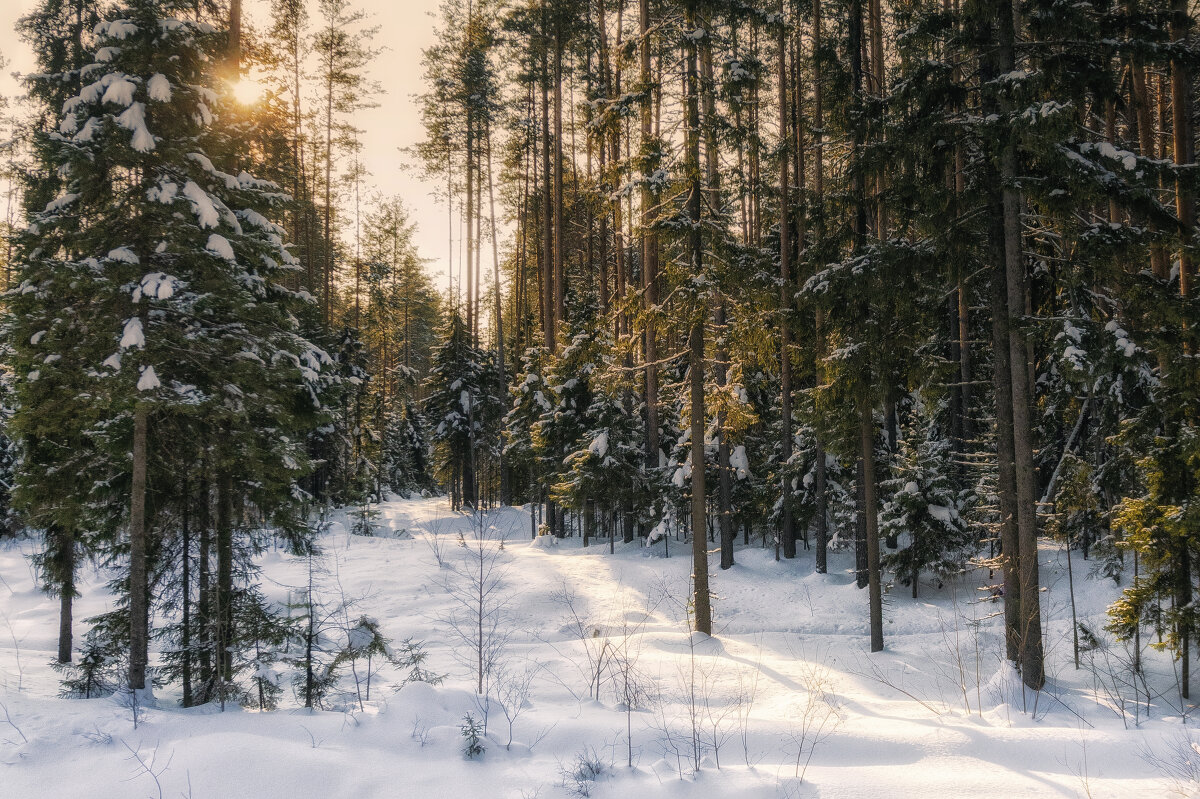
pixel 807 404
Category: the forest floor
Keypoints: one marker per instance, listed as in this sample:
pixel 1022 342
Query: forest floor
pixel 784 701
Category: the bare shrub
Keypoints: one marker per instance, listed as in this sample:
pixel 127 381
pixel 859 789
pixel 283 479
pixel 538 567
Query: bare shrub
pixel 582 772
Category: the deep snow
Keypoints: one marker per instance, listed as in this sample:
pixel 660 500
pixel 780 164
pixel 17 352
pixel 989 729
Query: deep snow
pixel 937 714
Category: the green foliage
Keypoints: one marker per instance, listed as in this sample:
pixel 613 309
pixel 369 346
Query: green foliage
pixel 472 735
pixel 924 511
pixel 96 673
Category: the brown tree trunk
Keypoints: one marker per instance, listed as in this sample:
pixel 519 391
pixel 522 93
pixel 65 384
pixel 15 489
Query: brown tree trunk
pixel 66 596
pixel 1140 98
pixel 560 288
pixel 224 598
pixel 505 493
pixel 548 331
pixel 787 533
pixel 703 610
pixel 1182 136
pixel 871 513
pixel 1032 659
pixel 1183 141
pixel 139 588
pixel 185 636
pixel 821 477
pixel 649 243
pixel 204 599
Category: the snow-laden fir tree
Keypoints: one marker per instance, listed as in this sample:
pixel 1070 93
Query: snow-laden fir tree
pixel 530 398
pixel 562 429
pixel 150 290
pixel 605 472
pixel 923 509
pixel 463 409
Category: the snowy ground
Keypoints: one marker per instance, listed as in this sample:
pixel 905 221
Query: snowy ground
pixel 935 715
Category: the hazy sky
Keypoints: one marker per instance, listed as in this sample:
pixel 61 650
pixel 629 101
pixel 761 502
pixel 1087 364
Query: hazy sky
pixel 406 27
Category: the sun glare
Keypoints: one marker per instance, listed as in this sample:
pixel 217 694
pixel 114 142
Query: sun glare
pixel 247 91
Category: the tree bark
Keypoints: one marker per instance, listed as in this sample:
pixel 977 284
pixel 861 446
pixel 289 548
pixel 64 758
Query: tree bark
pixel 560 289
pixel 787 531
pixel 871 513
pixel 1182 136
pixel 66 596
pixel 185 636
pixel 139 589
pixel 818 132
pixel 703 610
pixel 1032 659
pixel 224 598
pixel 548 331
pixel 649 242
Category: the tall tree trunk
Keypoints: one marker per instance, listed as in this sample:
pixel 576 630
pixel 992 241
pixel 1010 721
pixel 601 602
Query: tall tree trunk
pixel 787 532
pixel 548 233
pixel 1005 481
pixel 204 599
pixel 470 213
pixel 1140 99
pixel 703 609
pixel 712 177
pixel 1184 143
pixel 225 633
pixel 560 288
pixel 185 636
pixel 871 513
pixel 818 130
pixel 139 588
pixel 866 487
pixel 1031 656
pixel 1184 140
pixel 649 242
pixel 66 594
pixel 234 53
pixel 505 491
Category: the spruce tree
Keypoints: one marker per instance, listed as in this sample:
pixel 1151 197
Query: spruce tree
pixel 152 285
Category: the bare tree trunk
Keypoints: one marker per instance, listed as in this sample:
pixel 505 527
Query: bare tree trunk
pixel 224 603
pixel 1031 656
pixel 1140 98
pixel 560 288
pixel 185 637
pixel 1182 136
pixel 703 609
pixel 139 588
pixel 505 491
pixel 649 243
pixel 204 615
pixel 1183 139
pixel 787 531
pixel 821 477
pixel 66 594
pixel 871 513
pixel 548 235
pixel 470 214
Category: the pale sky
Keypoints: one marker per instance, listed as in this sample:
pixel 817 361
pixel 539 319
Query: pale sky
pixel 406 27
